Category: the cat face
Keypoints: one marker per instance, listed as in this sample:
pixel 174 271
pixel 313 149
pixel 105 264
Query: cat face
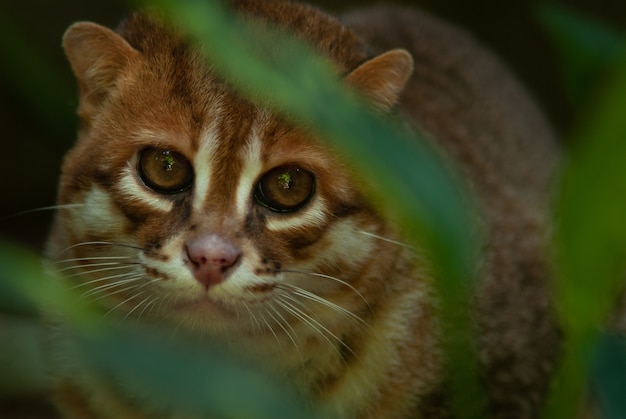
pixel 213 222
pixel 190 205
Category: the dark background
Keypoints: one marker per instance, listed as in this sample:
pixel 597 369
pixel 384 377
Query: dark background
pixel 37 93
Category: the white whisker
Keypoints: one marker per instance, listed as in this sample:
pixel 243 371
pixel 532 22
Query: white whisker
pixel 287 294
pixel 376 236
pixel 133 287
pixel 129 275
pixel 282 326
pixel 96 265
pixel 271 329
pixel 115 284
pixel 151 304
pixel 124 302
pixel 332 278
pixel 320 329
pixel 93 271
pixel 107 295
pixel 136 307
pixel 252 316
pixel 42 209
pixel 100 243
pixel 316 298
pixel 93 258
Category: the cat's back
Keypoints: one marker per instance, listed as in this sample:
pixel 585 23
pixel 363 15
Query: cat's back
pixel 473 109
pixel 465 99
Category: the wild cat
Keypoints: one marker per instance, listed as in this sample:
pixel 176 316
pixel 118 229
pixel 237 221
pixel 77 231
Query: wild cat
pixel 190 207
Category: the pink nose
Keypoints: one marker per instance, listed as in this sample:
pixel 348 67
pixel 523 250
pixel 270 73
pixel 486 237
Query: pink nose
pixel 211 258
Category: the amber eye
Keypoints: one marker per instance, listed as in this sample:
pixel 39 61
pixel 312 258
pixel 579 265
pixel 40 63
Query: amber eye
pixel 164 171
pixel 285 188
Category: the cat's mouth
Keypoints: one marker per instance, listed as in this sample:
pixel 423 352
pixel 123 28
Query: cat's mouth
pixel 203 306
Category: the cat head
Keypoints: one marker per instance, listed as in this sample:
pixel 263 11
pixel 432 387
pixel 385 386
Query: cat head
pixel 189 203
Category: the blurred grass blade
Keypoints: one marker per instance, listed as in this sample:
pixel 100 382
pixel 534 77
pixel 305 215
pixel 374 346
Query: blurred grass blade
pixel 176 374
pixel 291 78
pixel 26 289
pixel 198 381
pixel 609 376
pixel 591 239
pixel 588 49
pixel 405 174
pixel 22 366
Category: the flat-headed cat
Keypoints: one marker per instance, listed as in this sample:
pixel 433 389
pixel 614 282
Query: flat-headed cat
pixel 190 207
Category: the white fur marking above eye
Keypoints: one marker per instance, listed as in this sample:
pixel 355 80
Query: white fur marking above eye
pixel 202 164
pixel 310 215
pixel 252 167
pixel 130 186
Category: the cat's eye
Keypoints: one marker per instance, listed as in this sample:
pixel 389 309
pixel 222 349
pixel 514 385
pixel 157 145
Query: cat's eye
pixel 285 188
pixel 164 171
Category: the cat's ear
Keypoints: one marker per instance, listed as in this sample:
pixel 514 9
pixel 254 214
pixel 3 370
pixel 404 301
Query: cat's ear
pixel 382 79
pixel 97 56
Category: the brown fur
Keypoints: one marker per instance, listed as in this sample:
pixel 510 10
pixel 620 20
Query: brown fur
pixel 478 114
pixel 147 88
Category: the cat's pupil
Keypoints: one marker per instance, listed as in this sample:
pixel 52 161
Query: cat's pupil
pixel 164 171
pixel 285 188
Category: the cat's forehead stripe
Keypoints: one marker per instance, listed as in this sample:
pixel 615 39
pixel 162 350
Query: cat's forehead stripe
pixel 228 135
pixel 250 154
pixel 204 161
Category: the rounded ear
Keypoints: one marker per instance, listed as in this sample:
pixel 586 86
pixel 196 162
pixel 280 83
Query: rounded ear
pixel 97 56
pixel 382 79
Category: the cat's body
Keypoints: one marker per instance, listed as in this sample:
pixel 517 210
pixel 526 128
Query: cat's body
pixel 246 230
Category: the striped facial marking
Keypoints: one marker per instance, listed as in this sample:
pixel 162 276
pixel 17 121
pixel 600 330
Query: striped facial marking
pixel 132 189
pixel 250 155
pixel 203 163
pixel 270 192
pixel 96 216
pixel 313 214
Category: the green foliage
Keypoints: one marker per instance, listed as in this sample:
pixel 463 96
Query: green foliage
pixel 23 289
pixel 180 377
pixel 589 242
pixel 406 175
pixel 292 79
pixel 608 375
pixel 590 237
pixel 588 49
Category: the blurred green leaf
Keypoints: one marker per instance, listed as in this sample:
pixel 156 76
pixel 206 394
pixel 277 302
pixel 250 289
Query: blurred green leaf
pixel 26 289
pixel 194 379
pixel 403 171
pixel 609 376
pixel 591 239
pixel 588 49
pixel 21 357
